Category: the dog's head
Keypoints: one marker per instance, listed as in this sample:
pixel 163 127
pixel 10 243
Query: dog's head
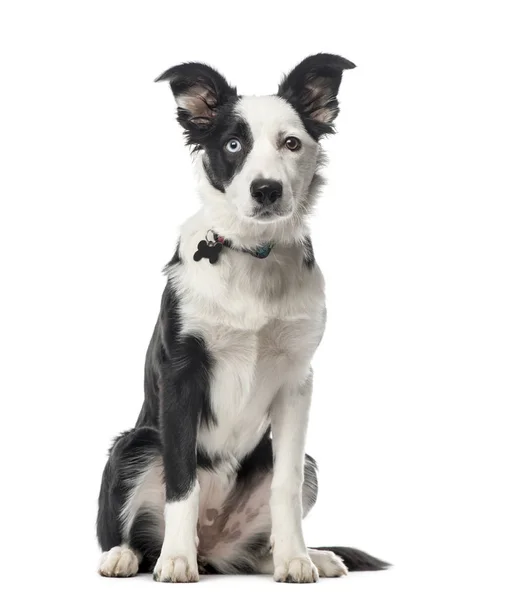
pixel 260 153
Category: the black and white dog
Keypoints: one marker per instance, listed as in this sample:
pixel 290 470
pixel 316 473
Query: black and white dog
pixel 214 477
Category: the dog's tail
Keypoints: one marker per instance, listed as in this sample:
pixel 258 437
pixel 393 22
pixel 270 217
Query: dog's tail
pixel 357 560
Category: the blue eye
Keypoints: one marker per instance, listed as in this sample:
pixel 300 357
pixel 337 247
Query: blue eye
pixel 233 145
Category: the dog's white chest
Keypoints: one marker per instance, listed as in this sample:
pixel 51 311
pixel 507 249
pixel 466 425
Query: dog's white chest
pixel 249 369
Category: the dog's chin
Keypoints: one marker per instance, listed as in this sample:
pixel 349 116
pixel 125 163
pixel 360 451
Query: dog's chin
pixel 269 215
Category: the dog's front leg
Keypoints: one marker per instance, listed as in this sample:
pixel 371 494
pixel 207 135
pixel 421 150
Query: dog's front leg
pixel 289 417
pixel 181 400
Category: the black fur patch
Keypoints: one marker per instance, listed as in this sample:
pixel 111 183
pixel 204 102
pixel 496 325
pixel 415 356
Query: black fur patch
pixel 166 346
pixel 145 536
pixel 177 373
pixel 308 253
pixel 221 165
pixel 258 461
pixel 357 560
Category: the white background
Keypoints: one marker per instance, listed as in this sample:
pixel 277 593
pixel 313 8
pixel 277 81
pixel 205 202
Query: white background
pixel 414 421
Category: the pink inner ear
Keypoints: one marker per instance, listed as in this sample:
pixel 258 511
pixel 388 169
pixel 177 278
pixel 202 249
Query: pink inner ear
pixel 198 101
pixel 318 90
pixel 324 115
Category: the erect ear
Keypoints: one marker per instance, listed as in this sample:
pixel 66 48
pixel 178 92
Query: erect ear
pixel 200 92
pixel 312 89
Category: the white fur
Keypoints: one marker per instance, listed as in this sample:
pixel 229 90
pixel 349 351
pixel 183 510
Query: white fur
pixel 178 559
pixel 119 561
pixel 148 490
pixel 299 569
pixel 327 563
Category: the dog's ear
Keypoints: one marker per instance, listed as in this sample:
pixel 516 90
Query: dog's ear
pixel 200 92
pixel 312 89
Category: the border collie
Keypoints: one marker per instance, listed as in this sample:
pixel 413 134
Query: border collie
pixel 214 477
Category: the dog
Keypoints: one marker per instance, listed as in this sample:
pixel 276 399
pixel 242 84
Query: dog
pixel 214 477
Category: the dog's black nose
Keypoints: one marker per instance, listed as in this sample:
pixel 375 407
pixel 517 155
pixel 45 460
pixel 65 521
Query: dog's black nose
pixel 266 191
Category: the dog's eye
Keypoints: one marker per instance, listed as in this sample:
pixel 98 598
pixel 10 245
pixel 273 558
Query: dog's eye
pixel 293 143
pixel 233 145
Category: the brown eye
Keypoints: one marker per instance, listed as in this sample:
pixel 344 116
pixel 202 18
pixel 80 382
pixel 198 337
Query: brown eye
pixel 293 143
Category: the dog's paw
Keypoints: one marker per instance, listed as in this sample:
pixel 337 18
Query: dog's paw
pixel 328 564
pixel 118 562
pixel 296 570
pixel 176 569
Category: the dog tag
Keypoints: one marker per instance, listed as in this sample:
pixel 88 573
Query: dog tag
pixel 209 250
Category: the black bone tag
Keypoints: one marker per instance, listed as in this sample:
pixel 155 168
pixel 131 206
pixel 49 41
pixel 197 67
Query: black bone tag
pixel 210 251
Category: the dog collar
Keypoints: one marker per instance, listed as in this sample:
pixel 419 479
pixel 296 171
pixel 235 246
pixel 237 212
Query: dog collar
pixel 212 246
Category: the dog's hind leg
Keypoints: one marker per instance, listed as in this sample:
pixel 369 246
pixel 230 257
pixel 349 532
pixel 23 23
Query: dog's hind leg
pixel 327 563
pixel 130 523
